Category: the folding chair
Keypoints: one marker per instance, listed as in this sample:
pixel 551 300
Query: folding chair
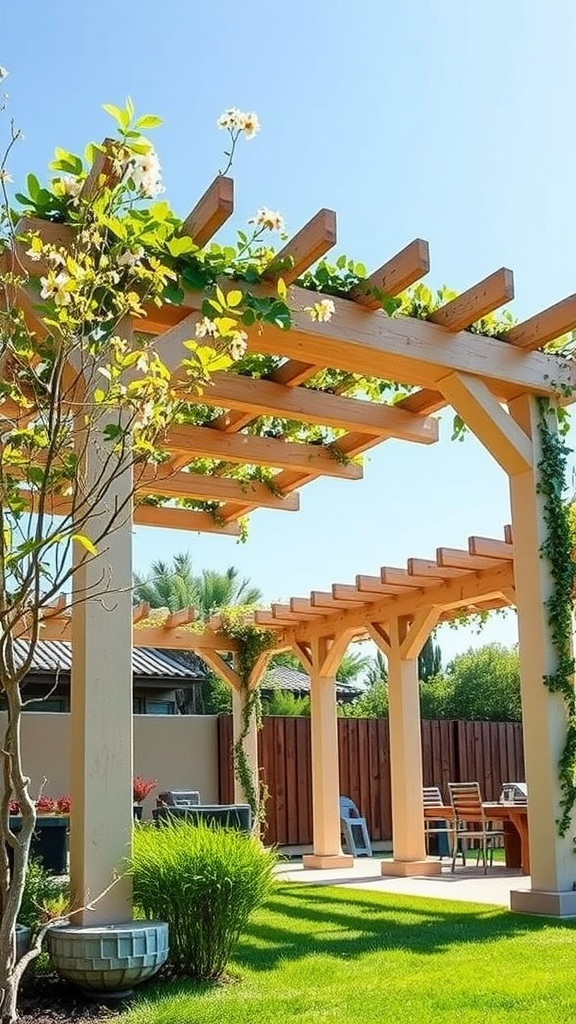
pixel 439 829
pixel 470 820
pixel 354 829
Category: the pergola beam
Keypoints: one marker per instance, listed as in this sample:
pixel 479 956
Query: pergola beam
pixel 304 249
pixel 206 487
pixel 262 397
pixel 394 276
pixel 544 327
pixel 211 211
pixel 476 302
pixel 203 442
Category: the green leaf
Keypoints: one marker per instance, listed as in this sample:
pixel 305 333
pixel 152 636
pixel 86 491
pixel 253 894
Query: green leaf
pixel 172 293
pixel 234 298
pixel 33 186
pixel 119 116
pixel 149 121
pixel 85 542
pixel 178 246
pixel 112 431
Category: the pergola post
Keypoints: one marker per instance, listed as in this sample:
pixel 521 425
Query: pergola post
pixel 324 657
pixel 553 867
pixel 250 744
pixel 402 645
pixel 101 692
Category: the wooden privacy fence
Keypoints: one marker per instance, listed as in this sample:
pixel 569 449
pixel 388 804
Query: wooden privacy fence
pixel 489 752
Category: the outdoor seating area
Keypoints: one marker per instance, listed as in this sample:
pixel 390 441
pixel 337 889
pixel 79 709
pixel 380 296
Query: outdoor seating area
pixel 469 821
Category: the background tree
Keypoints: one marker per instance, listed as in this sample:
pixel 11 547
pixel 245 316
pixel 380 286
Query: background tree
pixel 429 661
pixel 373 702
pixel 482 684
pixel 175 586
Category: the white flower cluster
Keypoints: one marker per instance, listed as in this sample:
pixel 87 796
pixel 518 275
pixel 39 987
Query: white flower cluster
pixel 71 187
pixel 3 73
pixel 54 287
pixel 268 219
pixel 5 178
pixel 237 340
pixel 234 120
pixel 145 171
pixel 322 311
pixel 206 328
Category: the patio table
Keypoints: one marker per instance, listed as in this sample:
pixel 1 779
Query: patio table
pixel 514 816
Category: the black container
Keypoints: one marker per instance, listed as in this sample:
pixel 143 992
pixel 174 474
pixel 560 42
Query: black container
pixel 238 816
pixel 49 841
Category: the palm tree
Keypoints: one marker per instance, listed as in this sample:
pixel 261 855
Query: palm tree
pixel 175 586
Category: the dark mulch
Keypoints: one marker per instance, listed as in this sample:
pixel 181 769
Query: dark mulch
pixel 46 999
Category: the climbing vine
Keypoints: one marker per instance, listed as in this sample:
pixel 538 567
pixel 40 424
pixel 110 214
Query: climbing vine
pixel 252 642
pixel 557 550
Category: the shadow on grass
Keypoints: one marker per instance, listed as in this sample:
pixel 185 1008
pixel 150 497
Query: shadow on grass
pixel 302 921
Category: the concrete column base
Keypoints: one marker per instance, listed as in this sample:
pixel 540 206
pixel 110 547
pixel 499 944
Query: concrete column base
pixel 408 868
pixel 539 901
pixel 327 861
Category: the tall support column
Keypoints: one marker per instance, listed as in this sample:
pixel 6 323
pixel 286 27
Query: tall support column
pixel 324 658
pixel 101 691
pixel 552 860
pixel 402 646
pixel 250 744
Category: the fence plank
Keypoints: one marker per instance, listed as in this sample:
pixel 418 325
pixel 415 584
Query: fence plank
pixel 488 752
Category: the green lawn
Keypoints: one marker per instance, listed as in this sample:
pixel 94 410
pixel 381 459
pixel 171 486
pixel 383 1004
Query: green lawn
pixel 320 955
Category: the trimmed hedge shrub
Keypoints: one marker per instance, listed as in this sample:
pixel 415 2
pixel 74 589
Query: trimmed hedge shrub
pixel 205 882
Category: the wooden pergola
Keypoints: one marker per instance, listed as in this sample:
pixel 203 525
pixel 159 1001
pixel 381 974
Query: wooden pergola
pixel 492 382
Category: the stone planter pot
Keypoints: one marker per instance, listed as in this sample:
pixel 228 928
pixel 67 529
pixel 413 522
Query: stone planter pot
pixel 108 960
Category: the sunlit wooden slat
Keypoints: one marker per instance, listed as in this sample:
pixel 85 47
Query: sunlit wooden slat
pixel 544 327
pixel 305 248
pixel 180 618
pixel 202 442
pixel 476 302
pixel 425 567
pixel 487 547
pixel 454 558
pixel 182 519
pixel 326 601
pixel 211 488
pixel 266 398
pixel 394 276
pixel 374 585
pixel 141 611
pixel 210 212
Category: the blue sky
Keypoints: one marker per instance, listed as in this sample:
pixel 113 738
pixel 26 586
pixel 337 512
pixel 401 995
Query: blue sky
pixel 434 118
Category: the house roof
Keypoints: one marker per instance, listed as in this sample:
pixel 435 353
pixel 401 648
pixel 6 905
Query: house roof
pixel 51 656
pixel 280 677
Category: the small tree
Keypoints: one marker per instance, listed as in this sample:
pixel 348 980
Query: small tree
pixel 86 402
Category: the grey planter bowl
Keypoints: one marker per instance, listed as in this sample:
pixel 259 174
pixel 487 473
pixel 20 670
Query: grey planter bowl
pixel 108 960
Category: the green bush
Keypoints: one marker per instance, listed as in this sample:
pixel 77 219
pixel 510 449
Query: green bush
pixel 43 896
pixel 205 882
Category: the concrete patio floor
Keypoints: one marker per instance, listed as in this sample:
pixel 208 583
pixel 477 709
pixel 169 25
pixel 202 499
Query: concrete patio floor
pixel 468 884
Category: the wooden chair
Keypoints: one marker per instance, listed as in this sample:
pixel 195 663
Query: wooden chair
pixel 470 820
pixel 443 830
